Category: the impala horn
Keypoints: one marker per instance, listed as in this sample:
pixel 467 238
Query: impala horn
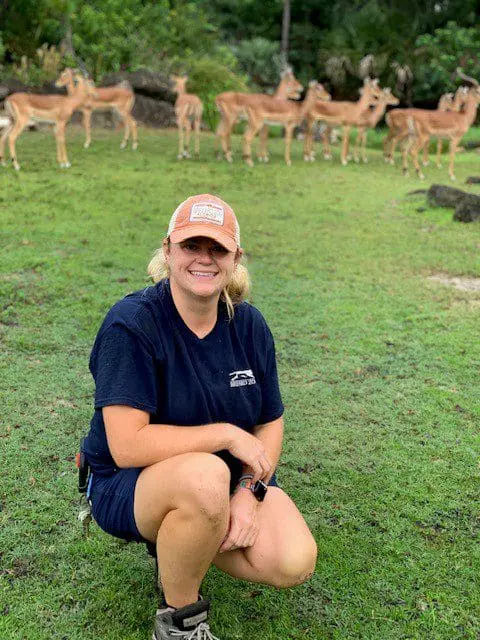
pixel 462 76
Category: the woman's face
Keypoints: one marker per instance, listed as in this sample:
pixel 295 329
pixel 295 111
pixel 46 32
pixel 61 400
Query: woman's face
pixel 200 266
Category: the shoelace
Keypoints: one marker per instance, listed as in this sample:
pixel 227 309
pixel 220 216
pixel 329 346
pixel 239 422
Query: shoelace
pixel 202 632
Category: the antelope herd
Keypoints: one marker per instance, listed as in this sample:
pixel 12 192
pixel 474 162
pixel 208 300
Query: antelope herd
pixel 413 128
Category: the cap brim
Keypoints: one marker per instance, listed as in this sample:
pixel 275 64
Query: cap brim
pixel 200 230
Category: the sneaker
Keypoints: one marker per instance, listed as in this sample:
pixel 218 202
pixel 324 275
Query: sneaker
pixel 187 622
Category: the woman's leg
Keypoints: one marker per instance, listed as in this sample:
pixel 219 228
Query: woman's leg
pixel 284 553
pixel 183 505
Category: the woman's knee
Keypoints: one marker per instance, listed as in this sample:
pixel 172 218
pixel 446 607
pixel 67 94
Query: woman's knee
pixel 296 565
pixel 205 484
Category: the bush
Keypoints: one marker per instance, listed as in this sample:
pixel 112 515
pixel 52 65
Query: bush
pixel 208 77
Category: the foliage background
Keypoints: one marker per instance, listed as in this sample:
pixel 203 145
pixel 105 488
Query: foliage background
pixel 241 40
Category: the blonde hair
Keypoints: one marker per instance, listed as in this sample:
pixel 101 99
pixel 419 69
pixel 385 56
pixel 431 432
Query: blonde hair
pixel 234 293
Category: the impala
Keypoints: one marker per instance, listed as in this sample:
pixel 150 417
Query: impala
pixel 442 124
pixel 188 111
pixel 370 120
pixel 397 122
pixel 119 99
pixel 289 113
pixel 340 113
pixel 233 105
pixel 55 109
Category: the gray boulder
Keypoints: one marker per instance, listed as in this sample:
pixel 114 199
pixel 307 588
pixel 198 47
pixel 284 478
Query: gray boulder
pixel 155 113
pixel 145 82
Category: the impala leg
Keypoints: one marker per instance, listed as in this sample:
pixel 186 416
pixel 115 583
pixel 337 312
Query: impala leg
pixel 364 146
pixel 288 144
pixel 61 146
pixel 306 142
pixel 16 130
pixel 188 130
pixel 387 146
pixel 439 153
pixel 406 148
pixel 196 125
pixel 126 128
pixel 223 134
pixel 425 152
pixel 325 136
pixel 396 139
pixel 250 133
pixel 453 150
pixel 87 116
pixel 417 144
pixel 263 135
pixel 3 141
pixel 357 144
pixel 180 139
pixel 345 141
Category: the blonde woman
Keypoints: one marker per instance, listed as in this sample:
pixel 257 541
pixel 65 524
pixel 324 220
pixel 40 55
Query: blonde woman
pixel 188 426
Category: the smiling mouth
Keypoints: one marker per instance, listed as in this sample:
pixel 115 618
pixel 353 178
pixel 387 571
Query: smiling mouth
pixel 203 275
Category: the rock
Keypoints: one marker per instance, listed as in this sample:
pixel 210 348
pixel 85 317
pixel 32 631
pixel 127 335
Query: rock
pixel 473 180
pixel 145 82
pixel 441 196
pixel 472 144
pixel 155 113
pixel 468 209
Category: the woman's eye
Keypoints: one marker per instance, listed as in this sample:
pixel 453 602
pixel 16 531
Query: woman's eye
pixel 219 250
pixel 190 246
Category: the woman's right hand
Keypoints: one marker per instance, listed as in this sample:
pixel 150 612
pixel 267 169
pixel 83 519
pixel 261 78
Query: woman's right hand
pixel 250 450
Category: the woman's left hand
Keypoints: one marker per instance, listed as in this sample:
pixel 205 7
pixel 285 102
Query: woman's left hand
pixel 244 525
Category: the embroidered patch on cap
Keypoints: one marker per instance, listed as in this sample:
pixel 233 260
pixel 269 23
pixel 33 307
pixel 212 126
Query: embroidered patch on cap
pixel 207 212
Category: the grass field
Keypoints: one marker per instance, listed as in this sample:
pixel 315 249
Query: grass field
pixel 379 370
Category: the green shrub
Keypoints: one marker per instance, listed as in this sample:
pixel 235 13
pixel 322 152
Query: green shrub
pixel 208 77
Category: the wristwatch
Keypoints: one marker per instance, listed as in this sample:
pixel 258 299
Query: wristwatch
pixel 259 489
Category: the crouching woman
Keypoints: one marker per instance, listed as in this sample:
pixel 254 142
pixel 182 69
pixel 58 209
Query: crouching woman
pixel 187 429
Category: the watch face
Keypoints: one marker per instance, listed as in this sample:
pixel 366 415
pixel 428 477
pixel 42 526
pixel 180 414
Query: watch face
pixel 260 490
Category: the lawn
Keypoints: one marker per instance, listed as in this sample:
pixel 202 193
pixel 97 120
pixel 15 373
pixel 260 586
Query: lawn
pixel 379 369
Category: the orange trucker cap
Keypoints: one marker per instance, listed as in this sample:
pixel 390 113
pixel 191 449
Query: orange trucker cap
pixel 208 216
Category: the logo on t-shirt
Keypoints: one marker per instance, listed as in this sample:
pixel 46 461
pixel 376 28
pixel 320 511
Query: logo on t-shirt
pixel 242 378
pixel 207 212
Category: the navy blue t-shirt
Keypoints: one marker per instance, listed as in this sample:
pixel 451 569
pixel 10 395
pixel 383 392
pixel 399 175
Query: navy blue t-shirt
pixel 146 357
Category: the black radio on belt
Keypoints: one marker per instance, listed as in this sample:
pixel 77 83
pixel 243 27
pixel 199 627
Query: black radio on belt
pixel 83 469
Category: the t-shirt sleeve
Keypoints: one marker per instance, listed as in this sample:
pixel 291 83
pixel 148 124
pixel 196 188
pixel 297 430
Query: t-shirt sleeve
pixel 272 406
pixel 124 369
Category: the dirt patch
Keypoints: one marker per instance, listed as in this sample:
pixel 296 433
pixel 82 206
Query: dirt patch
pixel 461 283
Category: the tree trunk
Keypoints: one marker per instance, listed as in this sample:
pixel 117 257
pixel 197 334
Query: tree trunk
pixel 285 32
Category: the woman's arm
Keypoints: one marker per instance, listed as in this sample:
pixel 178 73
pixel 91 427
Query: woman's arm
pixel 134 442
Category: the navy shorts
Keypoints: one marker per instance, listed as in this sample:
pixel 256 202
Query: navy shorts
pixel 112 497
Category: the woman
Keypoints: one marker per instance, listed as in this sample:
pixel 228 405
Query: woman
pixel 188 419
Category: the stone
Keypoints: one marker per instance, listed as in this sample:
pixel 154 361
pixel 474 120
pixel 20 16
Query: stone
pixel 468 209
pixel 144 82
pixel 155 113
pixel 442 196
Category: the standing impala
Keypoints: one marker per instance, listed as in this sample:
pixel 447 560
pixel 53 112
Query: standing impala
pixel 232 105
pixel 397 121
pixel 289 113
pixel 370 120
pixel 446 124
pixel 119 99
pixel 341 113
pixel 188 111
pixel 56 109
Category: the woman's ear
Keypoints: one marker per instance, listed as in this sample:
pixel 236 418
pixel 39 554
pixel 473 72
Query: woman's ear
pixel 166 248
pixel 238 255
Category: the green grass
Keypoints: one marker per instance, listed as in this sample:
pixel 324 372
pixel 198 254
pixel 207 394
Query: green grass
pixel 379 371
